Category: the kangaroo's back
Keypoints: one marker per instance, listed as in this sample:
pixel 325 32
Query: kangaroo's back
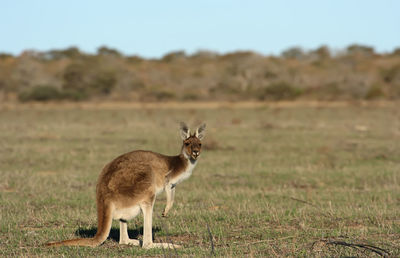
pixel 131 175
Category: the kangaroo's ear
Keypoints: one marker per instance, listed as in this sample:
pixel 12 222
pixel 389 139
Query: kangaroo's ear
pixel 200 132
pixel 185 132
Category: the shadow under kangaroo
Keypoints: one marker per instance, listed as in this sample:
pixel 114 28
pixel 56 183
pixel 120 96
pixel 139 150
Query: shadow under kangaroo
pixel 114 233
pixel 129 185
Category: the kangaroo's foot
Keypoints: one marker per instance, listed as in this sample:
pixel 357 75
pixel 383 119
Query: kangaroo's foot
pixel 161 245
pixel 129 241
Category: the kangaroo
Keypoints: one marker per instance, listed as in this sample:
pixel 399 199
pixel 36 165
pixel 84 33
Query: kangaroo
pixel 129 184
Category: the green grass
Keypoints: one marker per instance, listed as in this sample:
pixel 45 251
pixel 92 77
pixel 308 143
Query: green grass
pixel 270 182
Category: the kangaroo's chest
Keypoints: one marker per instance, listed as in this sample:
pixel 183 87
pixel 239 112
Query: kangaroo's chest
pixel 183 175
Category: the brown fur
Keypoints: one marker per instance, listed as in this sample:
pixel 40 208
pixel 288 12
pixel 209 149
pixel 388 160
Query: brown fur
pixel 132 180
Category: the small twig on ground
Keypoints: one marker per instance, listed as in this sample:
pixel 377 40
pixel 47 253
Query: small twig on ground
pixel 265 240
pixel 211 240
pixel 302 201
pixel 377 250
pixel 311 204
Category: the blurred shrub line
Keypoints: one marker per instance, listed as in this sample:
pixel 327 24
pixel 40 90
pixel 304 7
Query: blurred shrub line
pixel 356 72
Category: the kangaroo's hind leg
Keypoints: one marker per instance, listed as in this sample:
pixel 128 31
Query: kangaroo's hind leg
pixel 128 213
pixel 123 235
pixel 147 209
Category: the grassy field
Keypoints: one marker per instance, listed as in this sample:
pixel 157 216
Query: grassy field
pixel 272 180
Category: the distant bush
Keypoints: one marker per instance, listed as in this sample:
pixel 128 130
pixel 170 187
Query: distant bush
pixel 328 91
pixel 391 74
pixel 103 83
pixel 280 91
pixel 80 79
pixel 48 93
pixel 164 95
pixel 156 94
pixel 106 51
pixel 173 56
pixel 190 96
pixel 293 53
pixel 5 55
pixel 227 89
pixel 270 75
pixel 74 77
pixel 374 92
pixel 74 95
pixel 396 52
pixel 204 55
pixel 134 59
pixel 356 49
pixel 322 52
pixel 40 93
pixel 394 91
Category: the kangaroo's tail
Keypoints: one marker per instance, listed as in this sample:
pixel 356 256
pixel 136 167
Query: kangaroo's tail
pixel 104 219
pixel 92 242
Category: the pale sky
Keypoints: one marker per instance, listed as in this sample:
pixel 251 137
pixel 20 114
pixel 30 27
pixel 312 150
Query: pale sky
pixel 154 28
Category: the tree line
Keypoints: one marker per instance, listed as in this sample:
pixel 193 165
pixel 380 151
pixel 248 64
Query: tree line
pixel 357 72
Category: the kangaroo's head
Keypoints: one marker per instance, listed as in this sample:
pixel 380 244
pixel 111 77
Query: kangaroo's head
pixel 191 147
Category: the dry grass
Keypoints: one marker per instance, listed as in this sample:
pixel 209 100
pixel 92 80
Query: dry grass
pixel 197 105
pixel 273 180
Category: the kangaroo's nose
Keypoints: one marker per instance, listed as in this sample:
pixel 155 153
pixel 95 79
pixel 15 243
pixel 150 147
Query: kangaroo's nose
pixel 196 153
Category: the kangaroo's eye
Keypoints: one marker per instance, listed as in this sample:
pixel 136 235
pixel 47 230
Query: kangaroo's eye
pixel 186 144
pixel 200 144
